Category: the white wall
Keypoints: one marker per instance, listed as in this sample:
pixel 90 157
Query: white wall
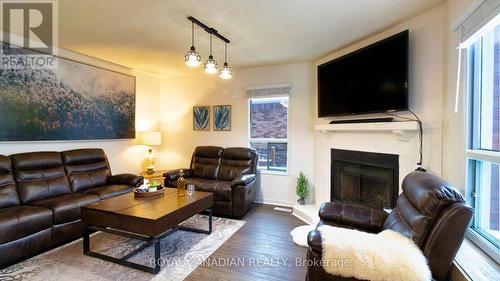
pixel 180 94
pixel 124 155
pixel 454 122
pixel 426 100
pixel 166 104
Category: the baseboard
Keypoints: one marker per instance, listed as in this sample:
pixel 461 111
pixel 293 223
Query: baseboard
pixel 281 203
pixel 287 204
pixel 302 218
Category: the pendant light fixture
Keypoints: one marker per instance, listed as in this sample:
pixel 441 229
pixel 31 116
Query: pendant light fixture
pixel 226 72
pixel 192 58
pixel 211 64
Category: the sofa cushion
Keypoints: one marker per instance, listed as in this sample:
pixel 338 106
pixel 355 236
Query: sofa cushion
pixel 66 208
pixel 108 191
pixel 20 221
pixel 237 161
pixel 206 161
pixel 424 197
pixel 220 189
pixel 429 193
pixel 86 168
pixel 8 192
pixel 39 175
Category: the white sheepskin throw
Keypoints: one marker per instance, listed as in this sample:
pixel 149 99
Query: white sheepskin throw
pixel 299 234
pixel 385 256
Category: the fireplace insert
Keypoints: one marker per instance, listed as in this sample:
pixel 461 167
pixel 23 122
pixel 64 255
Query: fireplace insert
pixel 365 178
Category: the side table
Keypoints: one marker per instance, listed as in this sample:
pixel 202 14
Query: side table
pixel 157 176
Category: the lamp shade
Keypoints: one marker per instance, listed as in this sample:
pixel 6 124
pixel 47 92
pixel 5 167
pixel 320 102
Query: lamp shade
pixel 150 138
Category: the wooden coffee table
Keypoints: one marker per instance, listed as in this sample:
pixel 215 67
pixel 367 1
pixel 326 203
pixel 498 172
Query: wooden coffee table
pixel 145 218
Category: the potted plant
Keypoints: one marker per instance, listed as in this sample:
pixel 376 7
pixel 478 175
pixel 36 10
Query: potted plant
pixel 302 188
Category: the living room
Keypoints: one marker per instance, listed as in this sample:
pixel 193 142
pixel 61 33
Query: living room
pixel 134 98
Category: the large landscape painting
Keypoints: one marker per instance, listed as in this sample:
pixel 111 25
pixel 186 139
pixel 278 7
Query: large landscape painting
pixel 73 102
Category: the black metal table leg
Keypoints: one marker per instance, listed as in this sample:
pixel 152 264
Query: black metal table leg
pixel 198 230
pixel 155 241
pixel 157 256
pixel 86 240
pixel 209 221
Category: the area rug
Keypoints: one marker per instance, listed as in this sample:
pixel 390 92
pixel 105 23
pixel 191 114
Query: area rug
pixel 181 252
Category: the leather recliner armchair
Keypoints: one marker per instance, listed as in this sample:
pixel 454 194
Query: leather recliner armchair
pixel 229 173
pixel 430 211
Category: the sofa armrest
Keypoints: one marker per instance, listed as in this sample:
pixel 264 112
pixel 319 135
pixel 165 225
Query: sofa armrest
pixel 353 216
pixel 314 241
pixel 243 180
pixel 173 175
pixel 128 179
pixel 243 196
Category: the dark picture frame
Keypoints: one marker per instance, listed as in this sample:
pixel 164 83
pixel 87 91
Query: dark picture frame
pixel 201 118
pixel 222 117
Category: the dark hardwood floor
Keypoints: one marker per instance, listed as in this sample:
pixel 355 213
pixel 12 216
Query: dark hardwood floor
pixel 260 250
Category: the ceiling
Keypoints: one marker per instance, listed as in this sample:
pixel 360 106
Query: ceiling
pixel 154 35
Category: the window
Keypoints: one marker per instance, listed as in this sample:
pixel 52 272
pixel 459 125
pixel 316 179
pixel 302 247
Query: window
pixel 483 151
pixel 268 131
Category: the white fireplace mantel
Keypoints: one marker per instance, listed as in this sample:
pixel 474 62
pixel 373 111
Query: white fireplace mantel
pixel 397 128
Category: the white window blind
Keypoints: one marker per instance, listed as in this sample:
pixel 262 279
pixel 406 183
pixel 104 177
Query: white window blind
pixel 274 90
pixel 477 22
pixel 482 18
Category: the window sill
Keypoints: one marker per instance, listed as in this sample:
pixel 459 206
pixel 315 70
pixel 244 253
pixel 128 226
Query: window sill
pixel 483 244
pixel 274 173
pixel 474 264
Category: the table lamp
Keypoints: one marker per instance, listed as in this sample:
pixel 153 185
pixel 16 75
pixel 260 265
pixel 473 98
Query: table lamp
pixel 150 138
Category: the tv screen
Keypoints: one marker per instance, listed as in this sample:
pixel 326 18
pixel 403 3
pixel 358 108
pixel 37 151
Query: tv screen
pixel 373 79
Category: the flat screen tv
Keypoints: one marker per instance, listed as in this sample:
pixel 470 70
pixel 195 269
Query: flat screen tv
pixel 373 79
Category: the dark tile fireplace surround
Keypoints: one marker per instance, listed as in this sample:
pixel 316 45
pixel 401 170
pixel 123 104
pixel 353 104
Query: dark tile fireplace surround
pixel 366 178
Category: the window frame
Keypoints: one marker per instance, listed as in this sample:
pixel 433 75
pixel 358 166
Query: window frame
pixel 474 154
pixel 274 140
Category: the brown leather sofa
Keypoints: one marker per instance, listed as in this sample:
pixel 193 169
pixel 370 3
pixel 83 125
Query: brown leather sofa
pixel 41 194
pixel 430 211
pixel 227 172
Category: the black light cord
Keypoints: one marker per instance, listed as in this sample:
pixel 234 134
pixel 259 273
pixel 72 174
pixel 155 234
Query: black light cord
pixel 192 34
pixel 210 44
pixel 225 52
pixel 420 135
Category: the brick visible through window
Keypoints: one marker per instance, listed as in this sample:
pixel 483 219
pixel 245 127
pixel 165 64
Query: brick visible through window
pixel 268 123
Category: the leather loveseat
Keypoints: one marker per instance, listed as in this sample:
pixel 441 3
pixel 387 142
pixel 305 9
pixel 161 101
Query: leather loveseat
pixel 41 194
pixel 430 211
pixel 227 172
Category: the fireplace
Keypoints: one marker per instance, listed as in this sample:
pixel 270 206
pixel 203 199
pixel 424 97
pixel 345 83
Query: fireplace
pixel 365 178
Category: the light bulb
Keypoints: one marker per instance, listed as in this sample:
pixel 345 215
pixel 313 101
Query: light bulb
pixel 226 72
pixel 211 65
pixel 192 58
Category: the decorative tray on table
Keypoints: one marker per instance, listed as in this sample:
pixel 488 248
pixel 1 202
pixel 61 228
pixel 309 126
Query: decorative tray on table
pixel 138 192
